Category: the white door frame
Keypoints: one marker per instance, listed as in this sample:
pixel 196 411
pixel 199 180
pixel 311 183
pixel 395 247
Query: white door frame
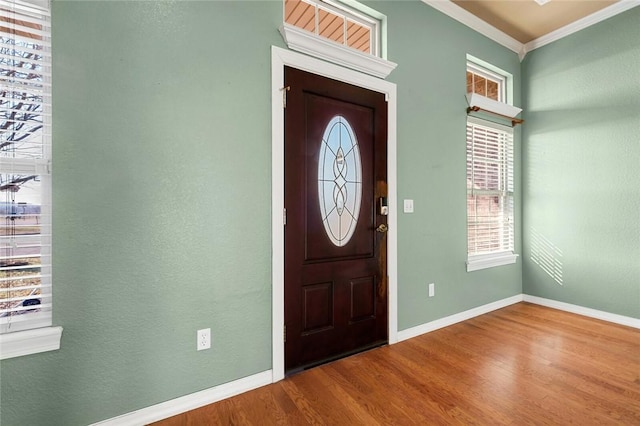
pixel 279 59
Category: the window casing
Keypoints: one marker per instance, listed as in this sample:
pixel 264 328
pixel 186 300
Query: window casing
pixel 25 176
pixel 489 188
pixel 490 179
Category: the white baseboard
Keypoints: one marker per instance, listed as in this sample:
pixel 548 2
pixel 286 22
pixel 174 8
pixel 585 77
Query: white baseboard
pixel 480 310
pixel 186 403
pixel 456 318
pixel 587 312
pixel 195 400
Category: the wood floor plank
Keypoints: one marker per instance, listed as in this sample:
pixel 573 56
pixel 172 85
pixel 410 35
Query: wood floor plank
pixel 390 390
pixel 521 365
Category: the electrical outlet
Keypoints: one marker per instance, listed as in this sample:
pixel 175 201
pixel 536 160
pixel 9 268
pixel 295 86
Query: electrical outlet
pixel 204 339
pixel 432 289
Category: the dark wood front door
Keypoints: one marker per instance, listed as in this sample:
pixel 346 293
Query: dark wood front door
pixel 335 240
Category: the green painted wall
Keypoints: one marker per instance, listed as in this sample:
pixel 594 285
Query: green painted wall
pixel 162 161
pixel 582 168
pixel 162 198
pixel 430 49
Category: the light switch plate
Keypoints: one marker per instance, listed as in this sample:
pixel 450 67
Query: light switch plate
pixel 408 206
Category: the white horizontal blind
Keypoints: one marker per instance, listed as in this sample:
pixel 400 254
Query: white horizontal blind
pixel 25 153
pixel 490 227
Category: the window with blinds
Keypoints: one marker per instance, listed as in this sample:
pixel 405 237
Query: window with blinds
pixel 25 166
pixel 490 224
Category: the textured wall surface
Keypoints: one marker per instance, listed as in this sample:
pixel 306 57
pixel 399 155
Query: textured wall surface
pixel 582 168
pixel 162 198
pixel 162 158
pixel 430 49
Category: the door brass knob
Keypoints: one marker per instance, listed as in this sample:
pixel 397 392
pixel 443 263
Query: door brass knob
pixel 382 228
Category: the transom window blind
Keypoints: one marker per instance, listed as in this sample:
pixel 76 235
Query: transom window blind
pixel 490 204
pixel 25 153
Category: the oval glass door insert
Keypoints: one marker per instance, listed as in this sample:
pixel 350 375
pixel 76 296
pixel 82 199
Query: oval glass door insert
pixel 339 181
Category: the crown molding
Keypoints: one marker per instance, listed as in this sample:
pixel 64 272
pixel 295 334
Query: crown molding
pixel 580 24
pixel 472 21
pixel 459 14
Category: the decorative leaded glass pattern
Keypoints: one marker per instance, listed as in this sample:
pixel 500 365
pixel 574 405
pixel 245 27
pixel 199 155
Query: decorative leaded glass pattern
pixel 339 180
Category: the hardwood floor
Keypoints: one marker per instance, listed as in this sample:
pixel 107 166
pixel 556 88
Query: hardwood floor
pixel 524 364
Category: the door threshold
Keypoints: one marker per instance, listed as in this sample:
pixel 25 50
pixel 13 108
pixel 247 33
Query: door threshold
pixel 343 355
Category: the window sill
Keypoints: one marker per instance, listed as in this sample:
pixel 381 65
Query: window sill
pixel 29 342
pixel 484 261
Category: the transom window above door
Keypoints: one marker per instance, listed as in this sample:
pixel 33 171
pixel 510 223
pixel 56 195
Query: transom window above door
pixel 334 22
pixel 344 32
